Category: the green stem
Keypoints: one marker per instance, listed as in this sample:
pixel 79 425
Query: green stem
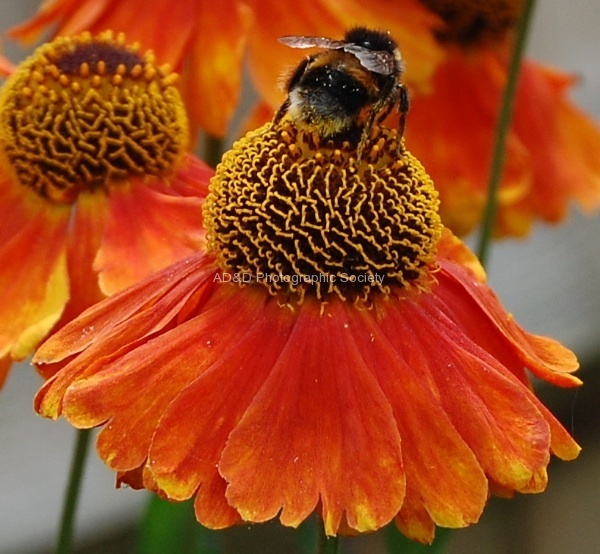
pixel 326 545
pixel 504 120
pixel 213 149
pixel 65 537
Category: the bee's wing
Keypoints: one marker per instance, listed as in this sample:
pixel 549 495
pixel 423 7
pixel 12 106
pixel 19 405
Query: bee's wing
pixel 377 61
pixel 299 41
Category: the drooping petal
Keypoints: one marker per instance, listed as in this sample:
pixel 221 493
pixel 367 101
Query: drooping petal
pixel 463 104
pixel 479 310
pixel 320 429
pixel 151 227
pixel 202 420
pixel 154 304
pixel 491 409
pixel 86 227
pixel 34 280
pixel 453 489
pixel 563 141
pixel 151 367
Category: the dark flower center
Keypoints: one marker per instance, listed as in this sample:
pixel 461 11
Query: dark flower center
pixel 86 112
pixel 471 21
pixel 301 216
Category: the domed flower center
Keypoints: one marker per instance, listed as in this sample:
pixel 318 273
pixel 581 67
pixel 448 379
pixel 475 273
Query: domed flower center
pixel 85 112
pixel 302 217
pixel 469 21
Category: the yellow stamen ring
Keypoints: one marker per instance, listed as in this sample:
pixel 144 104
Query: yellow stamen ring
pixel 300 216
pixel 84 112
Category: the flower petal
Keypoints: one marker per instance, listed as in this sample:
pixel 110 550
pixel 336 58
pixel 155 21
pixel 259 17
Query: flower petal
pixel 34 280
pixel 477 308
pixel 212 84
pixel 453 487
pixel 150 227
pixel 118 325
pixel 319 423
pixel 201 420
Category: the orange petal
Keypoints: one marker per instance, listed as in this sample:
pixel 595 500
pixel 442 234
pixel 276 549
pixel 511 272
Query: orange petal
pixel 274 19
pixel 150 227
pixel 545 357
pixel 492 410
pixel 74 17
pixel 193 431
pixel 212 83
pixel 319 422
pixel 34 280
pixel 110 394
pixel 563 141
pixel 119 324
pixel 6 67
pixel 87 225
pixel 451 485
pixel 463 104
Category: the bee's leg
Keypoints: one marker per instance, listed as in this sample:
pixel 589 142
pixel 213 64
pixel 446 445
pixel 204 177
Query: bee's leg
pixel 403 107
pixel 281 111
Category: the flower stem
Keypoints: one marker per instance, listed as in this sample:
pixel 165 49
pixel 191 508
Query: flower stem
pixel 213 149
pixel 65 537
pixel 504 119
pixel 326 545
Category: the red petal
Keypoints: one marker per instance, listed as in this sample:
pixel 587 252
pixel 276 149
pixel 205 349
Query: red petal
pixel 192 433
pixel 319 423
pixel 162 367
pixel 150 227
pixel 492 410
pixel 480 313
pixel 439 464
pixel 119 324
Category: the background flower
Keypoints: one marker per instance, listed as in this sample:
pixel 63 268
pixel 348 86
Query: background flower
pixel 96 188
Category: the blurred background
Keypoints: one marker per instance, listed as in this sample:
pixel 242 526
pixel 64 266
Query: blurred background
pixel 548 281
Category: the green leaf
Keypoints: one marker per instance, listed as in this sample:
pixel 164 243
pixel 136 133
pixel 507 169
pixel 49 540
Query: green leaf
pixel 172 527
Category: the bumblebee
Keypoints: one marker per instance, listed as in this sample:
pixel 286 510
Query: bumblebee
pixel 342 91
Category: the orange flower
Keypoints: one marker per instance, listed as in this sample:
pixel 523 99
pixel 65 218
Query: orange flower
pixel 206 41
pixel 553 150
pixel 95 188
pixel 333 350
